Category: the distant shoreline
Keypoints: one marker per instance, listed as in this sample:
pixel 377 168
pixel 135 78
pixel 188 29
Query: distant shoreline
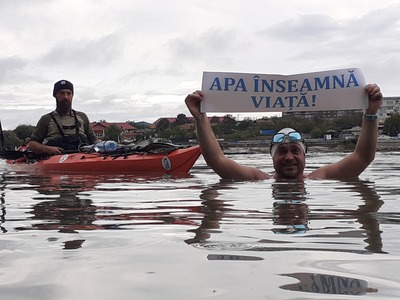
pixel 313 146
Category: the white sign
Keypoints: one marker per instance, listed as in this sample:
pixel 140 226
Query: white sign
pixel 243 92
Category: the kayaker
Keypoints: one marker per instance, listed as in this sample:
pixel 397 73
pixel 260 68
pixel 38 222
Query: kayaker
pixel 63 128
pixel 288 148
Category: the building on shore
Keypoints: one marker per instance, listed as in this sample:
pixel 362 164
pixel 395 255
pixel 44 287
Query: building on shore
pixel 128 132
pixel 390 105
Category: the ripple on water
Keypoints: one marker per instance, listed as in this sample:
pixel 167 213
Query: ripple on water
pixel 271 237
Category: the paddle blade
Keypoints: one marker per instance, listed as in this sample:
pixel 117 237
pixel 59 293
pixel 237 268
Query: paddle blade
pixel 1 138
pixel 11 155
pixel 158 147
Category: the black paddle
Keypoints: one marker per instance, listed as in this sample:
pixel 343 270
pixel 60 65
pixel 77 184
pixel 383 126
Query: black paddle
pixel 1 138
pixel 15 154
pixel 12 154
pixel 157 147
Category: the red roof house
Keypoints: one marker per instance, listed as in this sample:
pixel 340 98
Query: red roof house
pixel 128 131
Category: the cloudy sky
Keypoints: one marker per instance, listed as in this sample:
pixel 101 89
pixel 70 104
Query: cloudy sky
pixel 138 59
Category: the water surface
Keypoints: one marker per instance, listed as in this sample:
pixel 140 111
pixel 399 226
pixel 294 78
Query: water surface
pixel 197 237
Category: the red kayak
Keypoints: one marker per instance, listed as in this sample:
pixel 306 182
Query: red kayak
pixel 177 160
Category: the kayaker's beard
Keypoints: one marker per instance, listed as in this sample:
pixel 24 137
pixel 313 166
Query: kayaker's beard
pixel 63 106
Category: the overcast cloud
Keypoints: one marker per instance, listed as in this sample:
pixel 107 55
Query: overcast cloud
pixel 138 59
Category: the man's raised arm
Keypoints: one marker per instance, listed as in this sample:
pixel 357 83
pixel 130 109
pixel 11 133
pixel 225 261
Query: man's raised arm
pixel 226 168
pixel 364 153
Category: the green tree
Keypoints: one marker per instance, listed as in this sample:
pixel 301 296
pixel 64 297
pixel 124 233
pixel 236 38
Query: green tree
pixel 317 132
pixel 163 124
pixel 11 140
pixel 288 121
pixel 178 134
pixel 214 120
pixel 229 119
pixel 347 121
pixel 391 125
pixel 181 119
pixel 140 125
pixel 24 131
pixel 244 124
pixel 113 132
pixel 228 126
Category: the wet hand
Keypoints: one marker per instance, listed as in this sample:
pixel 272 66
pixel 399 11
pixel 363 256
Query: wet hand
pixel 375 98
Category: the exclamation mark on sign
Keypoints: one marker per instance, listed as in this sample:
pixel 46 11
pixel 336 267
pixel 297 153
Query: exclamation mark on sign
pixel 314 99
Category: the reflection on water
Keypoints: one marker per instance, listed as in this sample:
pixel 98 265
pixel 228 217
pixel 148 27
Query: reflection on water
pixel 291 214
pixel 3 206
pixel 320 237
pixel 290 209
pixel 328 284
pixel 232 257
pixel 63 205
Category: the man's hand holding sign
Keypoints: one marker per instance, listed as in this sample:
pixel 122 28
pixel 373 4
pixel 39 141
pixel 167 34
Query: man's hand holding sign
pixel 333 90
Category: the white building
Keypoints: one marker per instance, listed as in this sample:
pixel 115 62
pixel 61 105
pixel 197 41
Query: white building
pixel 390 105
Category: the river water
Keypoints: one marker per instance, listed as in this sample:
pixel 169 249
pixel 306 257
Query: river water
pixel 197 237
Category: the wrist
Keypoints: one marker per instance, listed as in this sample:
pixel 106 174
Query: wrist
pixel 369 111
pixel 370 117
pixel 200 117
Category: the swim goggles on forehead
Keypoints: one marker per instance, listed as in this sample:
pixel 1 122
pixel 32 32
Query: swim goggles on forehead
pixel 293 136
